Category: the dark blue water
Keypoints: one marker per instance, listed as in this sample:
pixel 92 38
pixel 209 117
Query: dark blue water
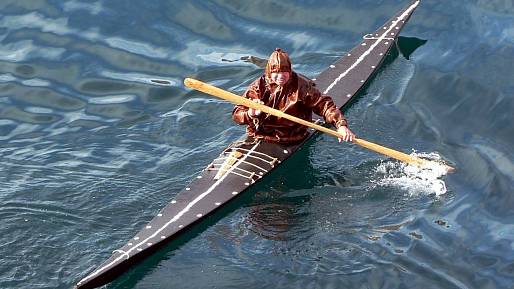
pixel 98 133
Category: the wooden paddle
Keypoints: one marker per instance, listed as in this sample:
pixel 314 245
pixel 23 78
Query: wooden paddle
pixel 218 92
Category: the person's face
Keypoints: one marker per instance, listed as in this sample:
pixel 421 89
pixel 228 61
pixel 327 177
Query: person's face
pixel 280 78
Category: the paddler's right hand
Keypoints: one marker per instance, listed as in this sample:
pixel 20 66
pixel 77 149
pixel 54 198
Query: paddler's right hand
pixel 253 113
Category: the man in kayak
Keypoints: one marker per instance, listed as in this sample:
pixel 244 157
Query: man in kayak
pixel 283 89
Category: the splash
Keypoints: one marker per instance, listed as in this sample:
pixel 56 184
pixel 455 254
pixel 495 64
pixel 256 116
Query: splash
pixel 413 179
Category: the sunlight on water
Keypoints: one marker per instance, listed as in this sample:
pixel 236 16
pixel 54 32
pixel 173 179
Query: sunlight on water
pixel 413 179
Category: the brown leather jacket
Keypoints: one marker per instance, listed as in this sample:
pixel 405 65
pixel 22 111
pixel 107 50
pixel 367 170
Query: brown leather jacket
pixel 299 97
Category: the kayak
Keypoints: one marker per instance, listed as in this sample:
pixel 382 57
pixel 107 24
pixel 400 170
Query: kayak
pixel 245 162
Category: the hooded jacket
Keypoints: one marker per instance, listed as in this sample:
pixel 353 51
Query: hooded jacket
pixel 298 97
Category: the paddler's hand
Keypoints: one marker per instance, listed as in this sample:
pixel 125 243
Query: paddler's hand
pixel 348 135
pixel 253 113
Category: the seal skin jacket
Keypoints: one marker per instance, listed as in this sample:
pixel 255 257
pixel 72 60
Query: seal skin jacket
pixel 299 97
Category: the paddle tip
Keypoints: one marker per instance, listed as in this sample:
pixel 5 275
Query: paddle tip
pixel 188 82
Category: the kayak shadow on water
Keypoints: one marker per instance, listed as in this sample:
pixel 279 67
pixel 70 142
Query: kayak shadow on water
pixel 408 45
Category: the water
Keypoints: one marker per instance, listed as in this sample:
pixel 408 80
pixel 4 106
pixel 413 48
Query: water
pixel 97 134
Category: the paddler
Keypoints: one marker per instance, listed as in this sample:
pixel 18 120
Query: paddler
pixel 282 88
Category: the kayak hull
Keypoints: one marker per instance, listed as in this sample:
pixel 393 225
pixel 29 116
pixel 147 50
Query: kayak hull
pixel 246 162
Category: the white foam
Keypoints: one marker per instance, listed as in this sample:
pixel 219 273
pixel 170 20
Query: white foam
pixel 413 179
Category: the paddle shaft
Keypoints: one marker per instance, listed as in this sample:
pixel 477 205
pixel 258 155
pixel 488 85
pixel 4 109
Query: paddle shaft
pixel 218 92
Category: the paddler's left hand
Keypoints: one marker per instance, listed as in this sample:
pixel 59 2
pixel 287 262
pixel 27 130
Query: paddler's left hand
pixel 348 135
